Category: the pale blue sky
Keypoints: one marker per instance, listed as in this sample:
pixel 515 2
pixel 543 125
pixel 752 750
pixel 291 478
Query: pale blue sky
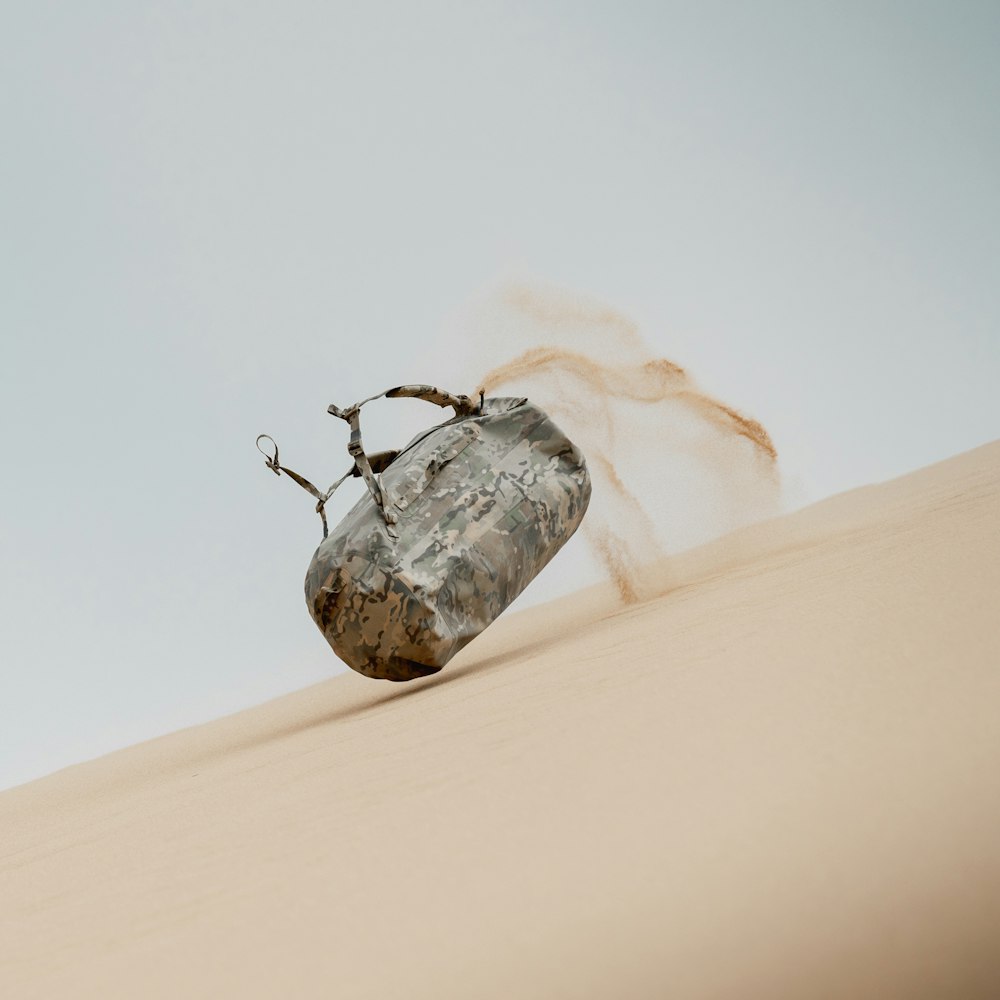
pixel 218 217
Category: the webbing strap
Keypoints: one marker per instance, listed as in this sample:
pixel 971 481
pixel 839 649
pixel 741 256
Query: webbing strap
pixel 356 449
pixel 366 466
pixel 463 406
pixel 273 463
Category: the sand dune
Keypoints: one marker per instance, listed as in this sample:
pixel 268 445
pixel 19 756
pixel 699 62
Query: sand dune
pixel 778 780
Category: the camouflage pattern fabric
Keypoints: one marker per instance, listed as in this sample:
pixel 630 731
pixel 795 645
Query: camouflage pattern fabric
pixel 470 512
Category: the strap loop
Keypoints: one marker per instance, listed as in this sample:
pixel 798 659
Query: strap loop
pixel 270 461
pixel 321 498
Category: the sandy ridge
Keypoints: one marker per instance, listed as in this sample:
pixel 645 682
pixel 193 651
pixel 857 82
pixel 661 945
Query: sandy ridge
pixel 776 780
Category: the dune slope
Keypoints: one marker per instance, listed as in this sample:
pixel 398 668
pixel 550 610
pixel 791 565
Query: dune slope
pixel 777 780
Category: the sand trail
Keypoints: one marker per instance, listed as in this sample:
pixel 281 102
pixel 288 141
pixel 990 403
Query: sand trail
pixel 672 465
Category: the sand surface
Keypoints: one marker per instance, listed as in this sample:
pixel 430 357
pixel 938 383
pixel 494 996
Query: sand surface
pixel 781 779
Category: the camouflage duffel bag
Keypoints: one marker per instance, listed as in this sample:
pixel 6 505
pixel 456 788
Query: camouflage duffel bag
pixel 451 529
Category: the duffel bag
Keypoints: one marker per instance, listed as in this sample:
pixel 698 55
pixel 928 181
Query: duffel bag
pixel 451 529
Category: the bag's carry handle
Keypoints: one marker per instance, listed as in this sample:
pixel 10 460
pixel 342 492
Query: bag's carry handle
pixel 463 406
pixel 368 466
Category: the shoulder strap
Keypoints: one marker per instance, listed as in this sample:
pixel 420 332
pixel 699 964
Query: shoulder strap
pixel 364 465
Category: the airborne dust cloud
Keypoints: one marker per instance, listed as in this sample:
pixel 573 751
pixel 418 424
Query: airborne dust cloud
pixel 672 467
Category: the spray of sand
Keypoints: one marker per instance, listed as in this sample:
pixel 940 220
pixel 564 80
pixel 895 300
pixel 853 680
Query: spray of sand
pixel 652 382
pixel 672 466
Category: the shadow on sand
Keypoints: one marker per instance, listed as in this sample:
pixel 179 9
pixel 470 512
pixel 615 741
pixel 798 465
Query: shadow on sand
pixel 410 689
